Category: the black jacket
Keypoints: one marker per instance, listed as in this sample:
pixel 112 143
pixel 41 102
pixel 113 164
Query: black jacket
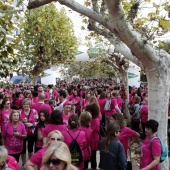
pixel 115 158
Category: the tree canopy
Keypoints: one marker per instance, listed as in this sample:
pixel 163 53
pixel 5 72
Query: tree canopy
pixel 8 17
pixel 46 39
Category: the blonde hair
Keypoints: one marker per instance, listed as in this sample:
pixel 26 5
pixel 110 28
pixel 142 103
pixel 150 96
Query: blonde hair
pixel 93 99
pixel 53 132
pixel 25 101
pixel 61 151
pixel 3 154
pixel 85 118
pixel 11 114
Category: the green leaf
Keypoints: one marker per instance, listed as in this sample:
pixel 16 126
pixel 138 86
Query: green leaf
pixel 161 43
pixel 19 3
pixel 10 49
pixel 164 23
pixel 4 53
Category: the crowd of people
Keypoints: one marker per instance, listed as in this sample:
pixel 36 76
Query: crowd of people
pixel 46 121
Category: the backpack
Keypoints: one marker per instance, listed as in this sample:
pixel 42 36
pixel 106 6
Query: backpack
pixel 131 109
pixel 76 153
pixel 163 150
pixel 107 105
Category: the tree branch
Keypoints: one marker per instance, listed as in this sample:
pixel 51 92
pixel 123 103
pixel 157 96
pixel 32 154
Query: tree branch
pixel 76 7
pixel 38 3
pixel 119 46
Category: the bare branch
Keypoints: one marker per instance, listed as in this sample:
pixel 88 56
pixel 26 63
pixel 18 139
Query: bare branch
pixel 38 3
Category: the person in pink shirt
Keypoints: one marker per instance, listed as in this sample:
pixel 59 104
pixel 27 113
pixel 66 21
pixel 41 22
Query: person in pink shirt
pixel 5 112
pixel 34 97
pixel 13 134
pixel 37 157
pixel 58 157
pixel 43 120
pixel 41 105
pixel 29 117
pixel 144 115
pixel 74 133
pixel 125 133
pixel 85 101
pixel 12 163
pixel 94 110
pixel 46 94
pixel 18 100
pixel 119 100
pixel 85 125
pixel 67 112
pixel 55 94
pixel 150 151
pixel 75 100
pixel 102 100
pixel 55 123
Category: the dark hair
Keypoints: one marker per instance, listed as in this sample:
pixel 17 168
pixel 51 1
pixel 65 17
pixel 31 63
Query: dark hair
pixel 17 94
pixel 4 101
pixel 35 93
pixel 153 124
pixel 94 109
pixel 110 134
pixel 102 95
pixel 46 115
pixel 56 117
pixel 73 121
pixel 119 118
pixel 62 93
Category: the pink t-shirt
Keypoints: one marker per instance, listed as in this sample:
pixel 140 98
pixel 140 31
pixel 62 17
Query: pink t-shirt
pixel 37 157
pixel 39 143
pixel 87 148
pixel 85 102
pixel 95 126
pixel 41 106
pixel 35 100
pixel 18 102
pixel 66 117
pixel 144 113
pixel 50 127
pixel 102 104
pixel 13 144
pixel 12 163
pixel 147 152
pixel 119 102
pixel 30 119
pixel 4 116
pixel 55 95
pixel 77 101
pixel 81 140
pixel 124 136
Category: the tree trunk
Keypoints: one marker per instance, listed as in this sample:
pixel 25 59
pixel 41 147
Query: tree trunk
pixel 158 83
pixel 34 80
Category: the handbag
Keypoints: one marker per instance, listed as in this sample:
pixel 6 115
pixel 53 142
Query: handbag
pixel 129 163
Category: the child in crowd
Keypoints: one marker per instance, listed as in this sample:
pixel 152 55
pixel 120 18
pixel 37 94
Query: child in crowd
pixel 38 132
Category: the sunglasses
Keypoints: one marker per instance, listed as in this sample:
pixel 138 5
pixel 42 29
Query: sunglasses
pixel 54 161
pixel 53 139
